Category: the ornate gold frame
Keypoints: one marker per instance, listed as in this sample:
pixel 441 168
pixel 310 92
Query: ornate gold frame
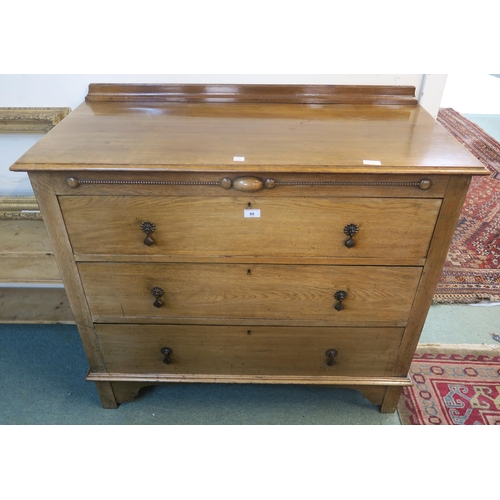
pixel 31 119
pixel 26 120
pixel 19 207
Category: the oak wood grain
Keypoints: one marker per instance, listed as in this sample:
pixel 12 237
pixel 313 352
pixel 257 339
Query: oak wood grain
pixel 24 236
pixel 376 295
pixel 127 391
pixel 25 253
pixel 445 228
pixel 387 260
pixel 391 399
pixel 35 305
pixel 208 184
pixel 350 382
pixel 234 350
pixel 215 227
pixel 248 93
pixel 29 268
pixel 107 394
pixel 184 136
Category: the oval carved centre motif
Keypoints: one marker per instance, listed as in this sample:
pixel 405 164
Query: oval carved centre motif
pixel 248 184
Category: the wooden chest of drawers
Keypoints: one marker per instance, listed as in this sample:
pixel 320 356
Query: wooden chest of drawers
pixel 250 234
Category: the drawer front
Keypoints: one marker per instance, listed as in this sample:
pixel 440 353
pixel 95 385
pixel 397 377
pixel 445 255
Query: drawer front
pixel 259 350
pixel 375 295
pixel 215 227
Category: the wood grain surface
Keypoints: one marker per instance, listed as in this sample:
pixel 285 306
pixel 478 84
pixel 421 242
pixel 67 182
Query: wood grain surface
pixel 201 136
pixel 287 294
pixel 252 93
pixel 26 254
pixel 26 305
pixel 445 228
pixel 249 350
pixel 209 184
pixel 214 227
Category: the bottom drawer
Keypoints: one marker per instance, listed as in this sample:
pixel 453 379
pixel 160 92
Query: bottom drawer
pixel 249 350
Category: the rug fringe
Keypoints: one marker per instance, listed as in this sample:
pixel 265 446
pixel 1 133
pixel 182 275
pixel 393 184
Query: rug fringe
pixel 473 298
pixel 470 348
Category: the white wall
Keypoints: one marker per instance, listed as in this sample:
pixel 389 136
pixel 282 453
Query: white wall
pixel 472 93
pixel 12 147
pixel 70 90
pixel 431 92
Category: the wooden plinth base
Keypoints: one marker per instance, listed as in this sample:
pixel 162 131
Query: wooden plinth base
pixel 114 393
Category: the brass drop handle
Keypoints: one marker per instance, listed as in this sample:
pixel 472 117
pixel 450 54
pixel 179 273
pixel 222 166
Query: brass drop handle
pixel 340 295
pixel 148 228
pixel 166 351
pixel 157 292
pixel 350 230
pixel 330 354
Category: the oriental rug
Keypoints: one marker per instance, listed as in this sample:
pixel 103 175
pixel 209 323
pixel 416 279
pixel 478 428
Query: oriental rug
pixel 471 272
pixel 453 385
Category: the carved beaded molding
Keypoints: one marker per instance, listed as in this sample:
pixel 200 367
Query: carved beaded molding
pixel 247 183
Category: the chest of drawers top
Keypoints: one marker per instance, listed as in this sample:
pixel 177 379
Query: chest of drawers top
pixel 254 128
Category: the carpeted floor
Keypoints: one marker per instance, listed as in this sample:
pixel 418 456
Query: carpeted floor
pixel 472 269
pixel 489 123
pixel 454 384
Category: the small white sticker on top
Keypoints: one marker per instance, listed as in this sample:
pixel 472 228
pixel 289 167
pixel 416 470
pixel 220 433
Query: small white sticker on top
pixel 251 212
pixel 372 162
pixel 238 158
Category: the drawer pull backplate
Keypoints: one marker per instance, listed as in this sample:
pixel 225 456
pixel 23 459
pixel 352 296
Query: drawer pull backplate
pixel 148 228
pixel 157 292
pixel 350 230
pixel 340 295
pixel 166 351
pixel 330 354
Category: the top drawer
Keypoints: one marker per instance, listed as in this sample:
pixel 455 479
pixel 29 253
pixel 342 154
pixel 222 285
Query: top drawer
pixel 194 226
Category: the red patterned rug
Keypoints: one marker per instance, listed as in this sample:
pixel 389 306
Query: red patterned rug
pixel 453 385
pixel 472 272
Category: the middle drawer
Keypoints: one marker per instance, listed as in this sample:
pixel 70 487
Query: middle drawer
pixel 275 294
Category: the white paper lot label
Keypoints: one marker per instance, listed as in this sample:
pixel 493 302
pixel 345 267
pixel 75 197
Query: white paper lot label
pixel 251 213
